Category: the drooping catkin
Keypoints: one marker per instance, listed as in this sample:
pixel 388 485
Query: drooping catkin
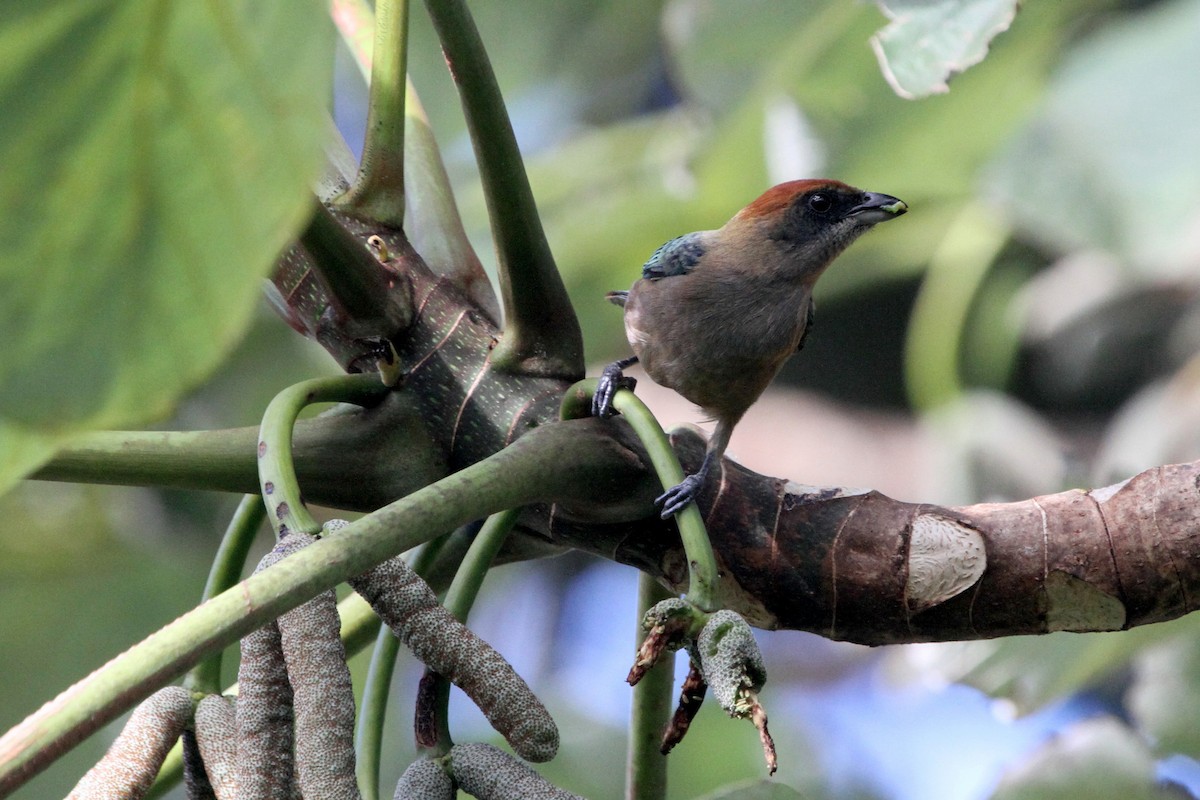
pixel 425 779
pixel 216 737
pixel 264 762
pixel 410 608
pixel 129 767
pixel 323 697
pixel 489 773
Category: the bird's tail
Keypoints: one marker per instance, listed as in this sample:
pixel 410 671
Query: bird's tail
pixel 617 298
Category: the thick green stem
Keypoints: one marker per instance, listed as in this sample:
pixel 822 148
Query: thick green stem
pixel 378 192
pixel 530 470
pixel 226 569
pixel 372 712
pixel 646 766
pixel 541 332
pixel 276 469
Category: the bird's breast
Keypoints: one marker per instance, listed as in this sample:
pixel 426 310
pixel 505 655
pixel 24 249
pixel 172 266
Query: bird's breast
pixel 710 340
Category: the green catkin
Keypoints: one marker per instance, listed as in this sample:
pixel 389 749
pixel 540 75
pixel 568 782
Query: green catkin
pixel 129 767
pixel 323 697
pixel 264 762
pixel 731 661
pixel 425 779
pixel 410 608
pixel 489 773
pixel 216 736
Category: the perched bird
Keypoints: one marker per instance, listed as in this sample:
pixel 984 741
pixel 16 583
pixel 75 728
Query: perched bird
pixel 717 313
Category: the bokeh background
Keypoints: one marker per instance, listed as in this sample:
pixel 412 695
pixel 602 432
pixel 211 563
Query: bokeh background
pixel 1032 325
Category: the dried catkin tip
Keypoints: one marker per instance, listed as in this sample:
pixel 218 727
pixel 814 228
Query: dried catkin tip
pixel 323 697
pixel 129 767
pixel 216 736
pixel 489 773
pixel 264 711
pixel 691 696
pixel 668 623
pixel 734 670
pixel 426 779
pixel 446 646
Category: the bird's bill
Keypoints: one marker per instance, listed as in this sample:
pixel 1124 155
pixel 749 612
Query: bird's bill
pixel 878 208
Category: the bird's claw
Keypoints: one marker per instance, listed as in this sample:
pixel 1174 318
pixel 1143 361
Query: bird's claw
pixel 675 499
pixel 611 381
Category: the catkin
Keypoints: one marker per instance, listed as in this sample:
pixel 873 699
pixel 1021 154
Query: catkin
pixel 323 696
pixel 264 763
pixel 410 608
pixel 128 769
pixel 489 773
pixel 216 737
pixel 425 779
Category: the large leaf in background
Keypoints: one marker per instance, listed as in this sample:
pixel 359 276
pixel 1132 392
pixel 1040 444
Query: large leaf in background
pixel 1166 693
pixel 929 41
pixel 156 158
pixel 1030 671
pixel 1092 759
pixel 1111 159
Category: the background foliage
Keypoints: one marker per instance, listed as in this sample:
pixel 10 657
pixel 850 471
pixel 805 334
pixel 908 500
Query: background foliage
pixel 1031 325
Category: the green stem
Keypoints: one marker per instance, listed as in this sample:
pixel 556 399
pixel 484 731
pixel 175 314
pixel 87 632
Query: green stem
pixel 372 712
pixel 378 192
pixel 530 470
pixel 359 285
pixel 955 273
pixel 475 565
pixel 702 563
pixel 226 569
pixel 646 766
pixel 276 469
pixel 541 333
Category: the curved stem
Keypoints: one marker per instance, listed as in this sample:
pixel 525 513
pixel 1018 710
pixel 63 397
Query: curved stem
pixel 530 470
pixel 541 332
pixel 475 565
pixel 276 469
pixel 226 569
pixel 702 563
pixel 378 192
pixel 646 766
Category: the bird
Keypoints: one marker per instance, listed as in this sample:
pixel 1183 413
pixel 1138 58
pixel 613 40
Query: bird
pixel 716 313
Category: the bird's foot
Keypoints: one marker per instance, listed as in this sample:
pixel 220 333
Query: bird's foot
pixel 611 381
pixel 675 499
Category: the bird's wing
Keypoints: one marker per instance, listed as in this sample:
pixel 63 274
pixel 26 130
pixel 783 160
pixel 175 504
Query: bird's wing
pixel 676 257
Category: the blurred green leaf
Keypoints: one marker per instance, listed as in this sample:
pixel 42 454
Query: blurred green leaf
pixel 1110 161
pixel 1031 671
pixel 157 157
pixel 929 41
pixel 1097 758
pixel 1166 693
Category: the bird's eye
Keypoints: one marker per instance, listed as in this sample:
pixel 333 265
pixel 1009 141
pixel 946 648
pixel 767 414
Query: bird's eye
pixel 820 203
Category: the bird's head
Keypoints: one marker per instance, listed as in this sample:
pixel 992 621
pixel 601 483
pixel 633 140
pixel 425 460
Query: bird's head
pixel 812 221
